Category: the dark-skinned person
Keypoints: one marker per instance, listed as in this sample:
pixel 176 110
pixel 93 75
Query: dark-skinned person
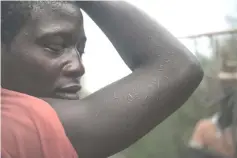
pixel 42 45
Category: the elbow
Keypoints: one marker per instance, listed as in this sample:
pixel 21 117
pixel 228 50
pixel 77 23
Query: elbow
pixel 193 69
pixel 186 71
pixel 193 73
pixel 196 70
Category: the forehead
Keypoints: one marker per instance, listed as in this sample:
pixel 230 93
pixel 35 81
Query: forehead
pixel 49 18
pixel 55 7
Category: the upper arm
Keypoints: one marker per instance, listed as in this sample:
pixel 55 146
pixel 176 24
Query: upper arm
pixel 164 76
pixel 121 113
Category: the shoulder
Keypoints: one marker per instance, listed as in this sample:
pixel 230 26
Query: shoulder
pixel 31 127
pixel 29 105
pixel 23 109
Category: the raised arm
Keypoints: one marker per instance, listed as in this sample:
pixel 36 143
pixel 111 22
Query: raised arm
pixel 164 76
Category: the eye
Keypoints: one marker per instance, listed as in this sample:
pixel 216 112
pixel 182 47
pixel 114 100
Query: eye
pixel 54 48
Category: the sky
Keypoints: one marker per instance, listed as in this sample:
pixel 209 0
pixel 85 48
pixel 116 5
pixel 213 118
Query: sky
pixel 181 17
pixel 186 17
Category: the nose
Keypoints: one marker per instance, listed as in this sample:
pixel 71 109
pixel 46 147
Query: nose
pixel 74 67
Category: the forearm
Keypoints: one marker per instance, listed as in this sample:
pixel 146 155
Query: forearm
pixel 137 37
pixel 116 116
pixel 165 75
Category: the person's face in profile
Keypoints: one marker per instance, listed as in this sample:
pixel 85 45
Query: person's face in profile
pixel 44 59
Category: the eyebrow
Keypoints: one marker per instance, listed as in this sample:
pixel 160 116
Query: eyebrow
pixel 65 33
pixel 52 30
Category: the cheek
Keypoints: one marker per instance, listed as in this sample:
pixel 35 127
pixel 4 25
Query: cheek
pixel 40 68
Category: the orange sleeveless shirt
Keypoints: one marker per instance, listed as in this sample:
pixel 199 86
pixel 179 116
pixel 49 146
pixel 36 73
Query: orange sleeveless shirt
pixel 31 129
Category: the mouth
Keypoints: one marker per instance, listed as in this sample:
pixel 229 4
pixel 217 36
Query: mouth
pixel 68 92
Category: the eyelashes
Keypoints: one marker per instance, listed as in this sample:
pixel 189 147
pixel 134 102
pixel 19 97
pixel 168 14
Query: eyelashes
pixel 54 49
pixel 58 49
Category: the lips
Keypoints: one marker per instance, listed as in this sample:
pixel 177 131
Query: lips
pixel 68 92
pixel 71 88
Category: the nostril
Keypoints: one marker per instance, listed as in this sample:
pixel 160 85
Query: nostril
pixel 67 67
pixel 74 69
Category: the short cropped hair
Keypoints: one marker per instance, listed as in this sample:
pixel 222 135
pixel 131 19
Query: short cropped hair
pixel 14 14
